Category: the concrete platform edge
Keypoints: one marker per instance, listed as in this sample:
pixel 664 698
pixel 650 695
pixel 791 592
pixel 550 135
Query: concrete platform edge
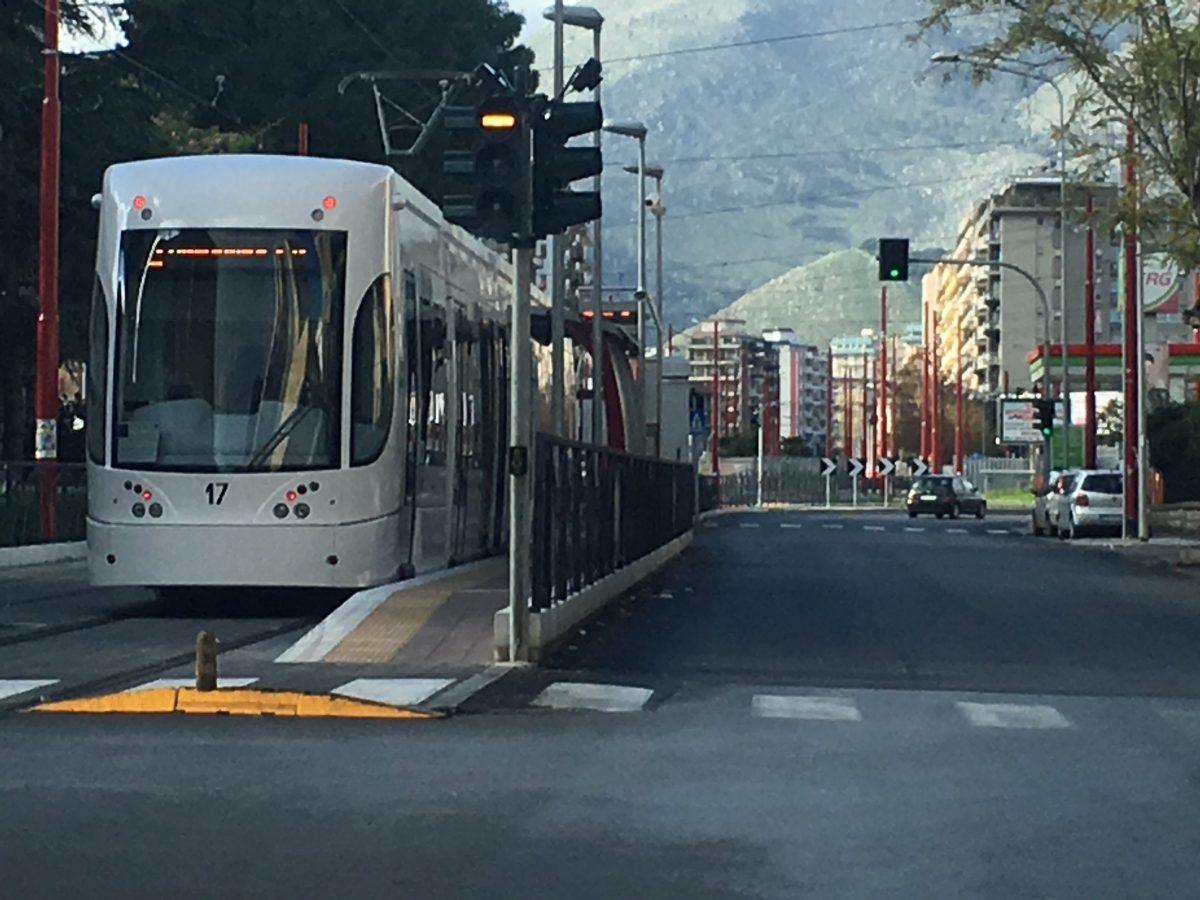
pixel 41 554
pixel 549 626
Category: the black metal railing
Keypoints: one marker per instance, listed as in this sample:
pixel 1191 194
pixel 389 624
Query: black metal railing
pixel 596 510
pixel 21 488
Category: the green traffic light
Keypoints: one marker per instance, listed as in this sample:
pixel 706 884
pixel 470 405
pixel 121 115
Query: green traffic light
pixel 895 273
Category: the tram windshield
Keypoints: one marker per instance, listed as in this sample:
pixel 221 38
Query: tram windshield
pixel 229 350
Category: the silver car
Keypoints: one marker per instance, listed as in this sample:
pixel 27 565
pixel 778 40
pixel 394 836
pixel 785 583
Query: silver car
pixel 1092 501
pixel 1043 501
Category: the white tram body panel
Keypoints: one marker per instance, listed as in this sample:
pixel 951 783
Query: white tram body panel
pixel 298 378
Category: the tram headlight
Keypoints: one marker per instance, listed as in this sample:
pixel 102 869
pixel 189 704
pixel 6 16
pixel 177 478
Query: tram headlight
pixel 156 510
pixel 280 510
pixel 302 510
pixel 139 510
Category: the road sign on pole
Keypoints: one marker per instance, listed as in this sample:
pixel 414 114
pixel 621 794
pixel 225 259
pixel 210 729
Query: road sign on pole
pixel 856 467
pixel 886 467
pixel 828 466
pixel 919 467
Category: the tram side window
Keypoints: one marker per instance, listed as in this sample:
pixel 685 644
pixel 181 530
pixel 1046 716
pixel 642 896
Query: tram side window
pixel 97 375
pixel 372 381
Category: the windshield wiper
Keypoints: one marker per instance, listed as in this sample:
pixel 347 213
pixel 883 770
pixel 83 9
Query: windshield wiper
pixel 286 427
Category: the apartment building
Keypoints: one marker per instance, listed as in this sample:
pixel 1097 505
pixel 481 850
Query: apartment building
pixel 803 388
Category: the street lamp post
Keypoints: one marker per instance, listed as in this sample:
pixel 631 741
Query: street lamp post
pixel 656 207
pixel 587 17
pixel 955 58
pixel 637 131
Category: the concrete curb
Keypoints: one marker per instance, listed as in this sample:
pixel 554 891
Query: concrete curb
pixel 40 554
pixel 550 625
pixel 234 702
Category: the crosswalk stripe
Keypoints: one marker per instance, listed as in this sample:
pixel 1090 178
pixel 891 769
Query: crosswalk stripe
pixel 824 709
pixel 189 682
pixel 11 687
pixel 597 697
pixel 1012 715
pixel 393 691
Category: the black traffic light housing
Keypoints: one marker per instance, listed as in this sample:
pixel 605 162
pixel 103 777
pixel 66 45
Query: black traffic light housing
pixel 555 166
pixel 485 166
pixel 893 259
pixel 1045 416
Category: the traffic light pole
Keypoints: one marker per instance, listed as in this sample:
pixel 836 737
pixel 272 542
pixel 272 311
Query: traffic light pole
pixel 557 274
pixel 1041 295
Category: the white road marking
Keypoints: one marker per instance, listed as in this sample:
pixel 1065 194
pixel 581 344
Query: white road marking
pixel 956 531
pixel 825 709
pixel 464 690
pixel 189 682
pixel 1013 715
pixel 832 527
pixel 748 524
pixel 910 528
pixel 598 697
pixel 873 528
pixel 790 525
pixel 393 691
pixel 332 630
pixel 997 531
pixel 11 687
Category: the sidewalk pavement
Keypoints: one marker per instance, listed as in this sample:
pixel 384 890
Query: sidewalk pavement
pixel 1166 550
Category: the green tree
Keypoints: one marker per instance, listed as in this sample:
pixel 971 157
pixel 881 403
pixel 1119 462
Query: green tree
pixel 1132 59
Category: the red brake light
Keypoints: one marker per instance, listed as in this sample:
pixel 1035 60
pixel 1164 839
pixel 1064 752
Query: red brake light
pixel 1082 500
pixel 291 496
pixel 139 202
pixel 329 202
pixel 147 496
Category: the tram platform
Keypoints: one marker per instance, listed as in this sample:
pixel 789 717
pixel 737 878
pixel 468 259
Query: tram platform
pixel 439 621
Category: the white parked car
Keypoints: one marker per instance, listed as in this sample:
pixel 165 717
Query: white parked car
pixel 1092 501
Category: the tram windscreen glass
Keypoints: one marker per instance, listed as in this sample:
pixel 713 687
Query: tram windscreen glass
pixel 229 350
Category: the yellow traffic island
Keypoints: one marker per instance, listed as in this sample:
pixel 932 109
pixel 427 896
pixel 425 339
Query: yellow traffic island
pixel 234 702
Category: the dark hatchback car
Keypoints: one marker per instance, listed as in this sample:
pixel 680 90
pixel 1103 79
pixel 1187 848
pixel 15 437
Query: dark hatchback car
pixel 945 495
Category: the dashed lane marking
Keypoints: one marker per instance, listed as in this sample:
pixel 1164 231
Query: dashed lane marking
pixel 998 531
pixel 824 709
pixel 1012 715
pixel 910 528
pixel 11 687
pixel 748 524
pixel 176 683
pixel 393 691
pixel 956 531
pixel 832 527
pixel 598 697
pixel 790 525
pixel 873 528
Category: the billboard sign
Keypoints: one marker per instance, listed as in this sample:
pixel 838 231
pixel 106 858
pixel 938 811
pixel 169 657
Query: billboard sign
pixel 1019 422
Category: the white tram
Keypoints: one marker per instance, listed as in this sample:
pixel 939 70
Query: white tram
pixel 278 345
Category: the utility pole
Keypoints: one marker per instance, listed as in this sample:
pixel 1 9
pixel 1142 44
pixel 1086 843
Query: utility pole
pixel 558 421
pixel 866 405
pixel 882 439
pixel 829 404
pixel 925 417
pixel 959 424
pixel 893 450
pixel 45 444
pixel 935 391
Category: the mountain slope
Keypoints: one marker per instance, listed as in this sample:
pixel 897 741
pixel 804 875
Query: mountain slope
pixel 780 152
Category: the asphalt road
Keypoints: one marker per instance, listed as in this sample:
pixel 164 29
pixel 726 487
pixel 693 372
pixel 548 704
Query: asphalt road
pixel 816 711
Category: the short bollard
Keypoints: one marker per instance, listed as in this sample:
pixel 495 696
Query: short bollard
pixel 206 661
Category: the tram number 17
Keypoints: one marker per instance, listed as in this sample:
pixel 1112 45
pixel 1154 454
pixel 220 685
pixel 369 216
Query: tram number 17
pixel 216 492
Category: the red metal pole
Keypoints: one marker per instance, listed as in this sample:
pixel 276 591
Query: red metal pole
pixel 959 425
pixel 302 139
pixel 718 411
pixel 1089 446
pixel 847 413
pixel 829 404
pixel 892 412
pixel 882 441
pixel 925 417
pixel 1133 364
pixel 866 406
pixel 45 446
pixel 935 390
